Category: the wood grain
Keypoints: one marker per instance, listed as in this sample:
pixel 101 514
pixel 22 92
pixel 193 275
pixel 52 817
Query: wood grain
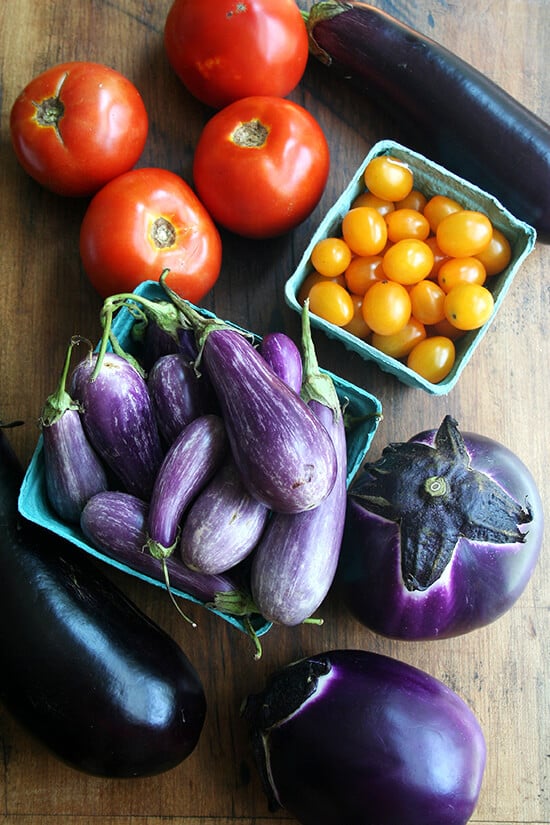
pixel 502 671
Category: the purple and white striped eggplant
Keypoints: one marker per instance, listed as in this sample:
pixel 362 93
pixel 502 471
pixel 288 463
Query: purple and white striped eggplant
pixel 223 524
pixel 188 466
pixel 284 358
pixel 296 560
pixel 119 420
pixel 72 469
pixel 178 393
pixel 283 452
pixel 116 523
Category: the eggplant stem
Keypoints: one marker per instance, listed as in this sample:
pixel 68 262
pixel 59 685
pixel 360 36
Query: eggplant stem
pixel 313 620
pixel 60 401
pixel 172 597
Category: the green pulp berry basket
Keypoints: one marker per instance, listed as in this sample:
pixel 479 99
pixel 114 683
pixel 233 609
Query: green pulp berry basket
pixel 431 179
pixel 363 411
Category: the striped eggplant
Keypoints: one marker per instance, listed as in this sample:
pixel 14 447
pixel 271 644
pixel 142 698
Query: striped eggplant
pixel 283 452
pixel 284 358
pixel 189 464
pixel 223 524
pixel 73 471
pixel 119 420
pixel 295 562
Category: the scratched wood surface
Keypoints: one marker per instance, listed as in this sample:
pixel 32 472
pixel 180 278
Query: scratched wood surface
pixel 502 670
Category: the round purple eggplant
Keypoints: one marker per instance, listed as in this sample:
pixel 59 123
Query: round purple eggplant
pixel 284 358
pixel 73 471
pixel 178 393
pixel 119 420
pixel 223 524
pixel 355 737
pixel 284 454
pixel 442 535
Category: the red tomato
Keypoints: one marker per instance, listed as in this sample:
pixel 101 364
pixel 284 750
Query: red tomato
pixel 143 222
pixel 77 126
pixel 227 50
pixel 260 166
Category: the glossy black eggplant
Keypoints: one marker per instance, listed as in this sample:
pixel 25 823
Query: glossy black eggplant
pixel 284 358
pixel 119 420
pixel 463 120
pixel 89 675
pixel 284 454
pixel 296 560
pixel 350 736
pixel 190 463
pixel 72 469
pixel 223 524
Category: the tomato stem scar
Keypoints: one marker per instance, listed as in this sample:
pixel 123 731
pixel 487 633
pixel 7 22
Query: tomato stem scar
pixel 163 233
pixel 252 134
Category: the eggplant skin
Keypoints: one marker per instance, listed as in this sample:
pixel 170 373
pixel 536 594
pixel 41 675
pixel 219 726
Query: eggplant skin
pixel 83 669
pixel 354 737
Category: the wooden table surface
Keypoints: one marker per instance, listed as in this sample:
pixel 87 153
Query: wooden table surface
pixel 502 671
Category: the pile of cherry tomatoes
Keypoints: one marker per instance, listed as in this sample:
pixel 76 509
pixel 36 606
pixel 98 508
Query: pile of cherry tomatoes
pixel 408 273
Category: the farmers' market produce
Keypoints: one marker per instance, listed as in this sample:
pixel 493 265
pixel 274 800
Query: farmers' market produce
pixel 356 737
pixel 508 151
pixel 442 535
pixel 226 51
pixel 89 675
pixel 284 358
pixel 77 126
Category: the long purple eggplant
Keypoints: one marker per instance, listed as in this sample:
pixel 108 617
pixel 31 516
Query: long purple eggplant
pixel 223 524
pixel 189 464
pixel 296 560
pixel 284 453
pixel 72 469
pixel 430 88
pixel 119 420
pixel 284 358
pixel 178 393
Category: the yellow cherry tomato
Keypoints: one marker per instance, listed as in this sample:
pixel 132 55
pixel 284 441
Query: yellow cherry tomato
pixel 415 200
pixel 388 178
pixel 465 233
pixel 331 257
pixel 455 271
pixel 332 302
pixel 433 358
pixel 427 302
pixel 364 230
pixel 400 343
pixel 357 326
pixel 368 199
pixel 496 257
pixel 386 307
pixel 363 272
pixel 438 207
pixel 468 306
pixel 408 261
pixel 407 223
pixel 314 278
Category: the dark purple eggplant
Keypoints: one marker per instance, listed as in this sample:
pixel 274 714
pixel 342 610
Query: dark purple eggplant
pixel 72 469
pixel 119 419
pixel 223 525
pixel 178 393
pixel 85 671
pixel 354 737
pixel 442 534
pixel 296 560
pixel 284 358
pixel 426 85
pixel 188 466
pixel 284 454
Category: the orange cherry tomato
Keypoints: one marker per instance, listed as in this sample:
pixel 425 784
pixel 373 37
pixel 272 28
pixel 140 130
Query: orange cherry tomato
pixel 415 200
pixel 460 271
pixel 439 257
pixel 332 302
pixel 331 256
pixel 386 307
pixel 433 358
pixel 400 343
pixel 314 278
pixel 364 230
pixel 407 223
pixel 408 261
pixel 496 256
pixel 368 199
pixel 427 302
pixel 389 178
pixel 363 272
pixel 468 306
pixel 464 233
pixel 357 326
pixel 438 207
pixel 448 330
